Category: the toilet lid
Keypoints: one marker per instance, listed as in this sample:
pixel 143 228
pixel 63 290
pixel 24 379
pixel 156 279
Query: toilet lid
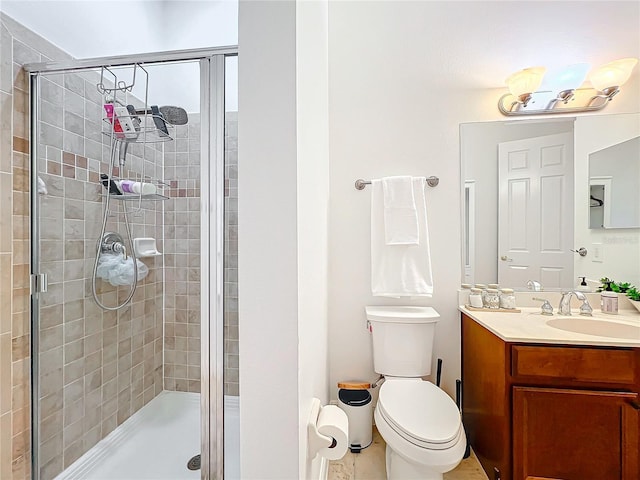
pixel 421 413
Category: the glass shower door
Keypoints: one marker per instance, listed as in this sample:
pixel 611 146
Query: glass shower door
pixel 93 367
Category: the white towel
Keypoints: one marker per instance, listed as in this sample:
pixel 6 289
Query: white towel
pixel 400 270
pixel 400 214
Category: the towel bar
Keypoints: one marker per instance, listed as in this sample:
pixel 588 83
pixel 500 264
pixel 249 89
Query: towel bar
pixel 431 181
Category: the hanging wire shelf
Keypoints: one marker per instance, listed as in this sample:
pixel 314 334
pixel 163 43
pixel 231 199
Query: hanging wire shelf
pixel 137 129
pixel 159 196
pixel 124 123
pixel 131 197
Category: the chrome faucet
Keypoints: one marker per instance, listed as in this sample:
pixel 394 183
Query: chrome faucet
pixel 565 304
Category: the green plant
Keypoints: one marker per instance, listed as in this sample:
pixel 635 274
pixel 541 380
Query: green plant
pixel 618 287
pixel 633 294
pixel 623 287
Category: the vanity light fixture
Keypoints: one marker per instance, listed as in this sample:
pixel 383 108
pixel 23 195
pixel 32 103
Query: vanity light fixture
pixel 559 89
pixel 522 84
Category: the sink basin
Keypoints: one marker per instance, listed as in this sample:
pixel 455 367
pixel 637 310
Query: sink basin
pixel 592 326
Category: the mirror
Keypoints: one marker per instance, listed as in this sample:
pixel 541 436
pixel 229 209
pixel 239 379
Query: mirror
pixel 614 175
pixel 526 189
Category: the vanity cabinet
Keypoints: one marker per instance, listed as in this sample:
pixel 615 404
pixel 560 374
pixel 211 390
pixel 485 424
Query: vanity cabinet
pixel 550 412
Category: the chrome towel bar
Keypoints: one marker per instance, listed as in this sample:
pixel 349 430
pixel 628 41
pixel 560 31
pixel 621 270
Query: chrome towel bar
pixel 431 181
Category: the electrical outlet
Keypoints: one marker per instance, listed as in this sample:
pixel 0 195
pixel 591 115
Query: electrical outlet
pixel 598 254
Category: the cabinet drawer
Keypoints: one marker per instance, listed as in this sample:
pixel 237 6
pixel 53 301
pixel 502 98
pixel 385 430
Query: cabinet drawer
pixel 580 364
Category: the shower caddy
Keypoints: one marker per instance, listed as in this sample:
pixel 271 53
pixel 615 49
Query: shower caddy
pixel 141 124
pixel 124 123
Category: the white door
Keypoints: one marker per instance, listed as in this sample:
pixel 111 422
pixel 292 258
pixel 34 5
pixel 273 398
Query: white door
pixel 535 211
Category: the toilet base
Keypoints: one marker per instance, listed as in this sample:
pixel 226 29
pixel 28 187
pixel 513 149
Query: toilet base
pixel 399 468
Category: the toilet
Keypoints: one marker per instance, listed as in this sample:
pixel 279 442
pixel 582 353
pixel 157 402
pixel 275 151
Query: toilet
pixel 419 422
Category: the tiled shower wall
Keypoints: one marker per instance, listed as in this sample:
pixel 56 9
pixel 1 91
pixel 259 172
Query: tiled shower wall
pixel 97 368
pixel 231 379
pixel 84 399
pixel 17 46
pixel 182 258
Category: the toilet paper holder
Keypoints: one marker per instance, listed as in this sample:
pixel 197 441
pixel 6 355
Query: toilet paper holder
pixel 317 441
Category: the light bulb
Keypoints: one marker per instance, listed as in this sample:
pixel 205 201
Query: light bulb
pixel 613 74
pixel 565 78
pixel 525 81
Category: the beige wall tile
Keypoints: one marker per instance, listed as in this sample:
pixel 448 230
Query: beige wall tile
pixel 5 445
pixel 20 347
pixel 6 101
pixel 20 225
pixel 5 293
pixel 21 276
pixel 6 211
pixel 5 373
pixel 20 299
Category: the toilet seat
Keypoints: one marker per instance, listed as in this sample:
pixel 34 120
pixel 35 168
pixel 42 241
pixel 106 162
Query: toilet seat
pixel 421 413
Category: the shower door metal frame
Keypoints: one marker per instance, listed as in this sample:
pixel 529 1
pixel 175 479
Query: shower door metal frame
pixel 212 81
pixel 212 88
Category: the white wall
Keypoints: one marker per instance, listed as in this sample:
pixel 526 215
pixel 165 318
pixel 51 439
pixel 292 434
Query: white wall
pixel 620 247
pixel 313 211
pixel 267 241
pixel 403 76
pixel 283 233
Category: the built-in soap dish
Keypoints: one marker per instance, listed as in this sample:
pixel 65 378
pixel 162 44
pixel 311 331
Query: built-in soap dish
pixel 145 247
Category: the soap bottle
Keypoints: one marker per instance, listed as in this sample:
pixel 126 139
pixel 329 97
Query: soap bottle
pixel 582 286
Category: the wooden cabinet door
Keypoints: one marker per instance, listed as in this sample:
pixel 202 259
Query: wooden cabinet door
pixel 575 435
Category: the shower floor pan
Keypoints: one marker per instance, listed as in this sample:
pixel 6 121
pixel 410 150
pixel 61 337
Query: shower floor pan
pixel 157 442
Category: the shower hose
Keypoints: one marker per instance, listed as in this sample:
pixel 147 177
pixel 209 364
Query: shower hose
pixel 117 151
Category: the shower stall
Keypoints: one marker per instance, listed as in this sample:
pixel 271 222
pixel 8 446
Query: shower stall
pixel 134 267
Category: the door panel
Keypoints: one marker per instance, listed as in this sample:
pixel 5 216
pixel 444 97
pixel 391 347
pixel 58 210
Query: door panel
pixel 536 183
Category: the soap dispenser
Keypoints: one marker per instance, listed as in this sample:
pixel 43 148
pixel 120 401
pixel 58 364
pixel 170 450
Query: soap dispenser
pixel 583 287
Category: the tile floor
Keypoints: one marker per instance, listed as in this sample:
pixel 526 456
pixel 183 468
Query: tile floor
pixel 369 465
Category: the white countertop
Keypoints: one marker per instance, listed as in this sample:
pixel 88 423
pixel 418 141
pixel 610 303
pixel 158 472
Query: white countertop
pixel 531 327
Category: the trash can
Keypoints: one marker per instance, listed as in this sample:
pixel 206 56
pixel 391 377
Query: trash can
pixel 354 398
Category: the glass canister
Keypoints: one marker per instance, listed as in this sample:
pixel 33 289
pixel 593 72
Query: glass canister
pixel 492 298
pixel 609 302
pixel 463 294
pixel 475 298
pixel 483 290
pixel 507 299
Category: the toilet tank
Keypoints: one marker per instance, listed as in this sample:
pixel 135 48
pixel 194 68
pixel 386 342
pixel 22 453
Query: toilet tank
pixel 402 339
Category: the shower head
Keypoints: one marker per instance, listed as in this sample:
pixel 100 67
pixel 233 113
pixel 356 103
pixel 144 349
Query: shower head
pixel 171 115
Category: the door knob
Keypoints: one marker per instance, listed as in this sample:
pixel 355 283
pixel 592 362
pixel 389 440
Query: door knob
pixel 504 258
